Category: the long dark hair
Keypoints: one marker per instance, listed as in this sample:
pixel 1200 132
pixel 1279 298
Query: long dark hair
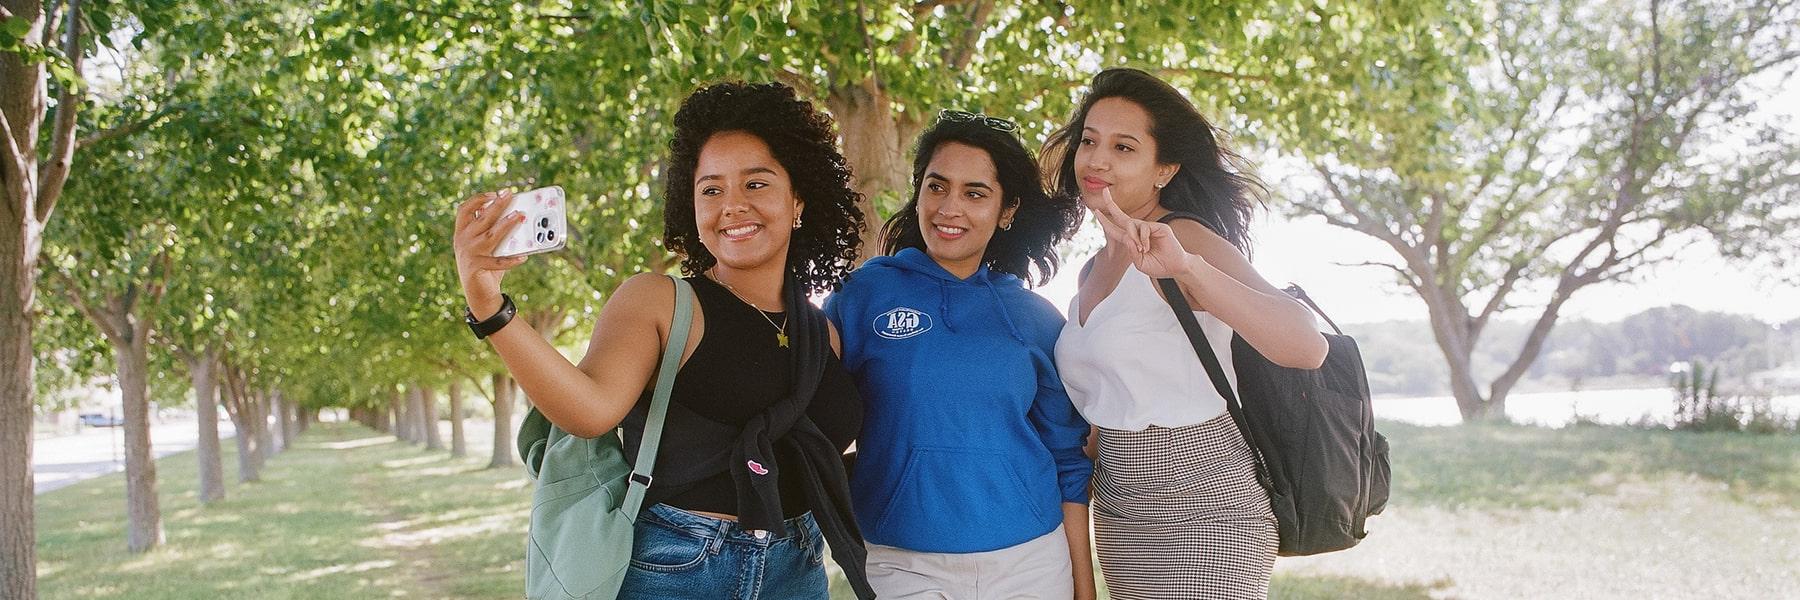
pixel 803 140
pixel 1041 222
pixel 1214 182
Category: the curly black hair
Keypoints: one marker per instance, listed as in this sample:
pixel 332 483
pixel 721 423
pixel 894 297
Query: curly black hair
pixel 803 139
pixel 1041 222
pixel 1214 182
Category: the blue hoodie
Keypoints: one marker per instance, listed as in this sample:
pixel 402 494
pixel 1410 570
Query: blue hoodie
pixel 969 442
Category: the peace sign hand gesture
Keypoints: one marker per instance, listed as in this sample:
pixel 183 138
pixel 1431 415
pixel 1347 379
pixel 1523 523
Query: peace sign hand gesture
pixel 1152 246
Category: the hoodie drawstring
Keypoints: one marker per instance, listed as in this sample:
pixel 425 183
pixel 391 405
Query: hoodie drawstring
pixel 1004 314
pixel 944 305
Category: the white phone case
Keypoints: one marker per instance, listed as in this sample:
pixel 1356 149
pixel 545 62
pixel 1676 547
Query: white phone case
pixel 546 226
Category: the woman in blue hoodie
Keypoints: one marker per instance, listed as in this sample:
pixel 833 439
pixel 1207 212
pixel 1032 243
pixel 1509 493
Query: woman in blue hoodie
pixel 970 480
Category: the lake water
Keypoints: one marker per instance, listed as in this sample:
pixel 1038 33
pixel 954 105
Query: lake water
pixel 1555 409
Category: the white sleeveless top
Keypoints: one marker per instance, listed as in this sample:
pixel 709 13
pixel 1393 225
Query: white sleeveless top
pixel 1131 366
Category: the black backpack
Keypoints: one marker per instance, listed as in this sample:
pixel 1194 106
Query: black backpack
pixel 1313 431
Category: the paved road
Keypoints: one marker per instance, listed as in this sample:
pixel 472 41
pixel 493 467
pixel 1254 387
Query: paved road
pixel 64 460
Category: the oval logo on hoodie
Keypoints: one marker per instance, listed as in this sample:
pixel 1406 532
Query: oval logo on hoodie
pixel 902 323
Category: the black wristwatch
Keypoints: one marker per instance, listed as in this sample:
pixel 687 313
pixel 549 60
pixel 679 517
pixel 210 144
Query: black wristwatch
pixel 494 323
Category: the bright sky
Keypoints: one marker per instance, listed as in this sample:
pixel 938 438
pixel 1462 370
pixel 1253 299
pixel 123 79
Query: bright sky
pixel 1308 252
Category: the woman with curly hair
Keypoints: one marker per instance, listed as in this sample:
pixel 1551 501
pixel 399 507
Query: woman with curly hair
pixel 749 481
pixel 1177 509
pixel 970 480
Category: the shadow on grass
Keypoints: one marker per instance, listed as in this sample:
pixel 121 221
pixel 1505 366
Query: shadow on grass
pixel 342 514
pixel 1290 586
pixel 1508 465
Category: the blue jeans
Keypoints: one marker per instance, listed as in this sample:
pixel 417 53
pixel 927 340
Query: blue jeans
pixel 678 554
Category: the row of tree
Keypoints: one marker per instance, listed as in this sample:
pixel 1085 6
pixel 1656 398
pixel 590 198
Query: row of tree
pixel 257 196
pixel 261 192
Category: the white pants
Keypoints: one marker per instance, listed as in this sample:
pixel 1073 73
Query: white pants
pixel 1037 569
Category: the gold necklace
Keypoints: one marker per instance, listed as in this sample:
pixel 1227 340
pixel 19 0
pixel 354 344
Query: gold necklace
pixel 781 337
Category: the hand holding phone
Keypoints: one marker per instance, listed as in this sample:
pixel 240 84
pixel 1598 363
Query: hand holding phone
pixel 493 235
pixel 546 225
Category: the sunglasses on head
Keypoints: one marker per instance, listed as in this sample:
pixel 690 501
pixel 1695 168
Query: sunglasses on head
pixel 994 123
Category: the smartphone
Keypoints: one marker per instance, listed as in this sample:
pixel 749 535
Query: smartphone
pixel 546 226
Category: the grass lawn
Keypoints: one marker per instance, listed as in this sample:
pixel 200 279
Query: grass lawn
pixel 1478 512
pixel 345 513
pixel 1585 512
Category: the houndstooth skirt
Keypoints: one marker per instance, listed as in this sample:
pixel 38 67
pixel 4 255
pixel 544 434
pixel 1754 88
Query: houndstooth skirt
pixel 1178 514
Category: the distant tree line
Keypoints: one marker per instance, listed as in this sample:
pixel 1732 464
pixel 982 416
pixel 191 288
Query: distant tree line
pixel 1636 350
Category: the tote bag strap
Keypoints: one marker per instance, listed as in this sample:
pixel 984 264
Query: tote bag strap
pixel 659 403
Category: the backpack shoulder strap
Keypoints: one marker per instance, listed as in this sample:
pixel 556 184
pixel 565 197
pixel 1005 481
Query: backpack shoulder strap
pixel 1183 215
pixel 1197 338
pixel 659 402
pixel 1292 290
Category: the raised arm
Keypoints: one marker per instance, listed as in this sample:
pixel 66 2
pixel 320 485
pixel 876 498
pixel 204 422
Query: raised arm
pixel 1217 278
pixel 585 400
pixel 1220 280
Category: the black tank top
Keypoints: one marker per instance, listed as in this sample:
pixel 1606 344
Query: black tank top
pixel 736 372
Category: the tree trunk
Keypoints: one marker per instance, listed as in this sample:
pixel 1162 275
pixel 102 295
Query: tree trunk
pixel 18 280
pixel 22 104
pixel 428 414
pixel 459 446
pixel 1532 347
pixel 415 414
pixel 1456 339
pixel 1462 385
pixel 402 417
pixel 284 414
pixel 396 409
pixel 143 516
pixel 258 429
pixel 406 417
pixel 206 409
pixel 876 152
pixel 277 434
pixel 238 405
pixel 503 408
pixel 379 416
pixel 259 425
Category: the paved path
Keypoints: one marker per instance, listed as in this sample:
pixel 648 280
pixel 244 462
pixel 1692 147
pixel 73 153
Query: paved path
pixel 64 460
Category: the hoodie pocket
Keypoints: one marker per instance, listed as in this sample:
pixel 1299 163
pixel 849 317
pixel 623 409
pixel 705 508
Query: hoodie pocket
pixel 947 494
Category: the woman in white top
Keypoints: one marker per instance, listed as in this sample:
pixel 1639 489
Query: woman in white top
pixel 1176 507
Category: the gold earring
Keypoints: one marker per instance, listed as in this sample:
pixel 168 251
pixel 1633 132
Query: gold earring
pixel 796 221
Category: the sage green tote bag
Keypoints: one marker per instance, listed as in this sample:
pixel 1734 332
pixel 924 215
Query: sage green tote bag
pixel 587 497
